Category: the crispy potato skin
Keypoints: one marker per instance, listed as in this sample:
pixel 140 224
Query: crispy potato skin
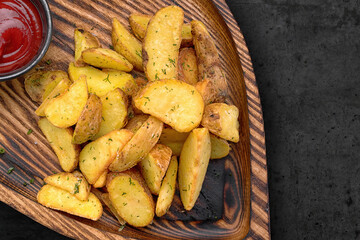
pixel 222 120
pixel 135 123
pixel 174 102
pixel 194 160
pixel 188 69
pixel 57 76
pixel 207 90
pixel 162 43
pixel 126 44
pixel 59 199
pixel 219 147
pixel 88 124
pixel 153 167
pixel 60 140
pixel 208 60
pixel 65 110
pixel 83 40
pixel 167 189
pixel 139 146
pixel 131 198
pixel 106 58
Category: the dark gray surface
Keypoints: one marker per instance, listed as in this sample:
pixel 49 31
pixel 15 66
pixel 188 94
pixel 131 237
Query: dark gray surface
pixel 306 58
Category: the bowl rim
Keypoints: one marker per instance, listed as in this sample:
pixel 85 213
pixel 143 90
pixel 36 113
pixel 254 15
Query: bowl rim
pixel 43 50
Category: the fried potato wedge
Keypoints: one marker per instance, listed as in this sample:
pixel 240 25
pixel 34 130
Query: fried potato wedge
pixel 114 112
pixel 96 156
pixel 153 167
pixel 135 123
pixel 208 60
pixel 162 43
pixel 131 198
pixel 83 40
pixel 57 76
pixel 36 82
pixel 60 88
pixel 59 199
pixel 219 147
pixel 188 69
pixel 101 82
pixel 174 102
pixel 60 140
pixel 207 90
pixel 65 110
pixel 173 139
pixel 194 160
pixel 74 183
pixel 222 120
pixel 106 58
pixel 126 44
pixel 139 146
pixel 89 121
pixel 101 182
pixel 167 189
pixel 139 22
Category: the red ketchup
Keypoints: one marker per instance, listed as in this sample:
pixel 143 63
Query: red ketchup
pixel 20 33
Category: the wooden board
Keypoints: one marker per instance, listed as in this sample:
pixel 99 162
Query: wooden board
pixel 242 193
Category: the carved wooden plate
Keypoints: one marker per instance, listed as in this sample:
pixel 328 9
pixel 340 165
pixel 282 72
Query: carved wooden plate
pixel 234 201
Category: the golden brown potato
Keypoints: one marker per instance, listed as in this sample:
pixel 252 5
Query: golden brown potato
pixel 126 44
pixel 57 76
pixel 135 123
pixel 139 146
pixel 106 58
pixel 101 82
pixel 65 110
pixel 167 190
pixel 222 120
pixel 194 160
pixel 56 198
pixel 162 43
pixel 139 23
pixel 37 81
pixel 83 40
pixel 60 140
pixel 208 60
pixel 188 69
pixel 131 198
pixel 60 88
pixel 174 102
pixel 89 121
pixel 153 167
pixel 219 147
pixel 207 90
pixel 173 139
pixel 74 183
pixel 101 182
pixel 140 82
pixel 96 156
pixel 114 112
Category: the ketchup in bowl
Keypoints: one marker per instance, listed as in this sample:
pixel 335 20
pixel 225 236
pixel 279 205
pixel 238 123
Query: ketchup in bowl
pixel 20 33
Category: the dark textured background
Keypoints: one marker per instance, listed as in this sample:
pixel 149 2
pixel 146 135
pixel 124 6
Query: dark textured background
pixel 306 58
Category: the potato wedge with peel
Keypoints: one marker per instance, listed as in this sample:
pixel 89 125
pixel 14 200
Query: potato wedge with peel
pixel 135 123
pixel 153 167
pixel 188 69
pixel 222 120
pixel 57 76
pixel 219 147
pixel 114 112
pixel 208 60
pixel 59 199
pixel 127 44
pixel 207 90
pixel 96 156
pixel 131 198
pixel 89 121
pixel 173 139
pixel 83 40
pixel 162 43
pixel 167 189
pixel 65 110
pixel 101 182
pixel 36 83
pixel 106 58
pixel 139 146
pixel 60 140
pixel 139 22
pixel 194 160
pixel 174 102
pixel 60 88
pixel 74 183
pixel 101 82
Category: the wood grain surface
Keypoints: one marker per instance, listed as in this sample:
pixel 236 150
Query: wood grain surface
pixel 234 201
